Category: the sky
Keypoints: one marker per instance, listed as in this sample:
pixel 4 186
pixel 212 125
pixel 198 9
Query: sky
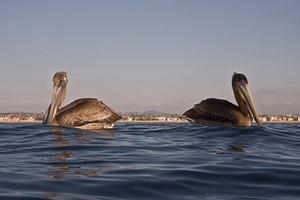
pixel 162 55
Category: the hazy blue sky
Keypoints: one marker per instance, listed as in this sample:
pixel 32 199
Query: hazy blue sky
pixel 150 55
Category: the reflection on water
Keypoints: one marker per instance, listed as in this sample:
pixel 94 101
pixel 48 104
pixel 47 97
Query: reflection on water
pixel 51 195
pixel 150 161
pixel 236 148
pixel 62 166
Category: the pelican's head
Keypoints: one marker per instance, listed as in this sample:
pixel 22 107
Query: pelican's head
pixel 60 82
pixel 243 96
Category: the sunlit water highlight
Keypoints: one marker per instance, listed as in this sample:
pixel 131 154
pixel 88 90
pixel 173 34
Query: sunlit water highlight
pixel 150 161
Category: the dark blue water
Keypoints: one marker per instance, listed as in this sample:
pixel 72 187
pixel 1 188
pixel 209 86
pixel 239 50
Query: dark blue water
pixel 150 161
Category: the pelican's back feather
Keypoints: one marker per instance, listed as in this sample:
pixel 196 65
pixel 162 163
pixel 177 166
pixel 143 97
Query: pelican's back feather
pixel 216 111
pixel 86 111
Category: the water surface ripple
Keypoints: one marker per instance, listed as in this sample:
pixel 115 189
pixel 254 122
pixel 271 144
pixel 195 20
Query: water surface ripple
pixel 150 161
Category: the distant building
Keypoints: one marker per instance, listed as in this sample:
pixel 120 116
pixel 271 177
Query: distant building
pixel 290 119
pixel 161 118
pixel 263 119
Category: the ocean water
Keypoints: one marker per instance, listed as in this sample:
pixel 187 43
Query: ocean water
pixel 150 161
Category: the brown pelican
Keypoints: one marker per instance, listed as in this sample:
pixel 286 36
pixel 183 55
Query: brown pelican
pixel 221 112
pixel 87 113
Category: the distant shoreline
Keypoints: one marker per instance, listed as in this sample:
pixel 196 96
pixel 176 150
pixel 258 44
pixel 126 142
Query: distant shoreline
pixel 281 122
pixel 146 117
pixel 21 122
pixel 186 122
pixel 153 121
pixel 150 121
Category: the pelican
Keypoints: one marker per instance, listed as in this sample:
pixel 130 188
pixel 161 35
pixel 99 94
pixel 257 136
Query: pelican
pixel 221 112
pixel 86 113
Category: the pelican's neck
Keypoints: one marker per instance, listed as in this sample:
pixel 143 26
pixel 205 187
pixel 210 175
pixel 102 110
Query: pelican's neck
pixel 58 96
pixel 240 101
pixel 50 114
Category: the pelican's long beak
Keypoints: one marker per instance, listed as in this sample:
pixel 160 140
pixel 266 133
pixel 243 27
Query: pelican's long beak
pixel 59 91
pixel 245 92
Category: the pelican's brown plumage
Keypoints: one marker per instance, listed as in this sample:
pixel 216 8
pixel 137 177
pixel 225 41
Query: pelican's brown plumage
pixel 86 113
pixel 221 112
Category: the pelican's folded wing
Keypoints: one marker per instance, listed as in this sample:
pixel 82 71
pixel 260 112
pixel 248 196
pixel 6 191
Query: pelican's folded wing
pixel 216 110
pixel 84 111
